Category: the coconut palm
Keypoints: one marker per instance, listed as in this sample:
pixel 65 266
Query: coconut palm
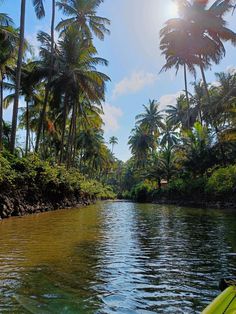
pixel 8 43
pixel 205 23
pixel 28 90
pixel 180 115
pixel 39 10
pixel 177 47
pixel 141 144
pixel 151 119
pixel 113 141
pixel 75 63
pixel 166 164
pixel 82 15
pixel 199 99
pixel 50 72
pixel 169 135
pixel 197 146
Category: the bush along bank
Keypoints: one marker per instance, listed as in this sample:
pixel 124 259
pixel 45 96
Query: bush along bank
pixel 217 188
pixel 29 185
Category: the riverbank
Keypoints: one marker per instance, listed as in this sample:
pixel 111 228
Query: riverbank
pixel 197 204
pixel 20 205
pixel 29 185
pixel 216 189
pixel 187 203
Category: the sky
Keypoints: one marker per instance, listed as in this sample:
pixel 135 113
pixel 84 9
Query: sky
pixel 135 61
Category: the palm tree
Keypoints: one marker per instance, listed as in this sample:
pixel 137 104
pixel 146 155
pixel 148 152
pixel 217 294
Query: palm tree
pixel 196 38
pixel 140 143
pixel 51 65
pixel 75 63
pixel 176 45
pixel 8 43
pixel 166 163
pixel 199 99
pixel 169 135
pixel 5 21
pixel 221 109
pixel 113 141
pixel 29 90
pixel 151 119
pixel 180 115
pixel 39 10
pixel 208 29
pixel 82 15
pixel 197 146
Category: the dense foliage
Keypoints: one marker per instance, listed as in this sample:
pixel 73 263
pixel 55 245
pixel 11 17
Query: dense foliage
pixel 42 178
pixel 63 88
pixel 171 160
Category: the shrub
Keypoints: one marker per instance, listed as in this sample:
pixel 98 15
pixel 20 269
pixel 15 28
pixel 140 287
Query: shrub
pixel 7 174
pixel 40 177
pixel 222 182
pixel 142 191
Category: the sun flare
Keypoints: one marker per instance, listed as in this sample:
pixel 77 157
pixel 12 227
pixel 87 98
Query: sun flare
pixel 173 9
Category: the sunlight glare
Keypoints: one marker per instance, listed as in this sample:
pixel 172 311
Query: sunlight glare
pixel 173 10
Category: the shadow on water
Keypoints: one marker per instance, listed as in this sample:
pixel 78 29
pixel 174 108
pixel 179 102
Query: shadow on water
pixel 116 258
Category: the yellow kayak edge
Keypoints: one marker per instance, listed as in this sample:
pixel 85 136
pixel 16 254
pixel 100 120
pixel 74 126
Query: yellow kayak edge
pixel 224 303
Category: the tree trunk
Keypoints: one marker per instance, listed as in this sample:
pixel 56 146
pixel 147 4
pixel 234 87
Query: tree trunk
pixel 186 94
pixel 200 112
pixel 220 144
pixel 27 128
pixel 47 89
pixel 205 85
pixel 63 130
pixel 1 110
pixel 18 77
pixel 73 137
pixel 68 146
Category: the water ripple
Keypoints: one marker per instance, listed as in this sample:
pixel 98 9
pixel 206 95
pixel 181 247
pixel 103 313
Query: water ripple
pixel 116 258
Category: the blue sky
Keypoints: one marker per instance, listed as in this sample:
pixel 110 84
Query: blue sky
pixel 134 59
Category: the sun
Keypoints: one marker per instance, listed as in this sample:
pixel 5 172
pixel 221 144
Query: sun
pixel 173 10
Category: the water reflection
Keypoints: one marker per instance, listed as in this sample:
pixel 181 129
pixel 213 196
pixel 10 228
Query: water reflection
pixel 115 258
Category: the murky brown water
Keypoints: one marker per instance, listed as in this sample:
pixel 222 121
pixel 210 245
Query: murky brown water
pixel 115 258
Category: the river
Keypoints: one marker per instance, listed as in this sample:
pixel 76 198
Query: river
pixel 115 257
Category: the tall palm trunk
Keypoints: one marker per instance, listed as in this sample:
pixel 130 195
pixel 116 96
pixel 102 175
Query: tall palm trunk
pixel 69 141
pixel 47 89
pixel 186 94
pixel 1 109
pixel 27 128
pixel 63 130
pixel 214 124
pixel 73 138
pixel 205 84
pixel 18 77
pixel 200 112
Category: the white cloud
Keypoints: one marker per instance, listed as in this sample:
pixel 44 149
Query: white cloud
pixel 111 117
pixel 169 99
pixel 32 40
pixel 231 69
pixel 215 84
pixel 137 81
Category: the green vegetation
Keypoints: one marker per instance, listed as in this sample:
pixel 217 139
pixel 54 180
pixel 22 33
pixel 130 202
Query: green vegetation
pixel 64 151
pixel 172 161
pixel 40 178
